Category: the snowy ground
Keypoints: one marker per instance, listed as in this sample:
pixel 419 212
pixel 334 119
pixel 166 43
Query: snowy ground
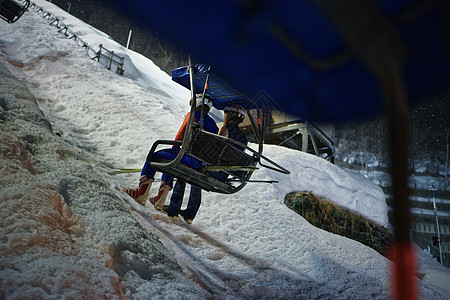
pixel 245 245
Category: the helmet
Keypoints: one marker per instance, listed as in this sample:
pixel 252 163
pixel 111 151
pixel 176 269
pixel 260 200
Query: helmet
pixel 207 102
pixel 235 113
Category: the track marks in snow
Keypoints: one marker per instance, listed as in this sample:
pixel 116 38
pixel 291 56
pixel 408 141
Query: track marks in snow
pixel 198 253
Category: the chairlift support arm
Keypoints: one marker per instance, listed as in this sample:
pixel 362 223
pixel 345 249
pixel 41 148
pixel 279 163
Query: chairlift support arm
pixel 187 133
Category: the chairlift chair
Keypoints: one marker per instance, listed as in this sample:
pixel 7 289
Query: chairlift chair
pixel 217 153
pixel 11 10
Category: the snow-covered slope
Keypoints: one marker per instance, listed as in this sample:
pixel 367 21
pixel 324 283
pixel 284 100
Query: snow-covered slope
pixel 64 234
pixel 245 245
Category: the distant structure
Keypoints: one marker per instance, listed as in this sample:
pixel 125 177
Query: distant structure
pixel 424 225
pixel 283 129
pixel 300 134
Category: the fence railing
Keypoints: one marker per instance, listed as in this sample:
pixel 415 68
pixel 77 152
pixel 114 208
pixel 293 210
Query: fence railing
pixel 109 58
pixel 104 56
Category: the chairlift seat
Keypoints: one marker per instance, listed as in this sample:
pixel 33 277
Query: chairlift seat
pixel 220 155
pixel 202 179
pixel 215 150
pixel 219 151
pixel 211 149
pixel 11 10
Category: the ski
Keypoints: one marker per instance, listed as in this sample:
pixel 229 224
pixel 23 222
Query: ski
pixel 229 168
pixel 254 181
pixel 205 168
pixel 119 171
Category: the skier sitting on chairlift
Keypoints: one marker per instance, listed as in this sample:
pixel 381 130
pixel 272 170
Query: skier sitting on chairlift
pixel 141 193
pixel 234 115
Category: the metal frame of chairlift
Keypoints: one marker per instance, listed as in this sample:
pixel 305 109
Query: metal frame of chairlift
pixel 203 177
pixel 11 10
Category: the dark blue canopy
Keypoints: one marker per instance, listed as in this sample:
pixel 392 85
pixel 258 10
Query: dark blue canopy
pixel 315 58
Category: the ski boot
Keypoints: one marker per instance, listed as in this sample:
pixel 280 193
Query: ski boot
pixel 140 194
pixel 165 209
pixel 160 199
pixel 186 218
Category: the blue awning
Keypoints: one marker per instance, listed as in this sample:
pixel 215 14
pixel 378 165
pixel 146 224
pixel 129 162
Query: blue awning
pixel 314 58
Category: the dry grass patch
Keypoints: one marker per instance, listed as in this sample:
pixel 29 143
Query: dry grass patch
pixel 332 218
